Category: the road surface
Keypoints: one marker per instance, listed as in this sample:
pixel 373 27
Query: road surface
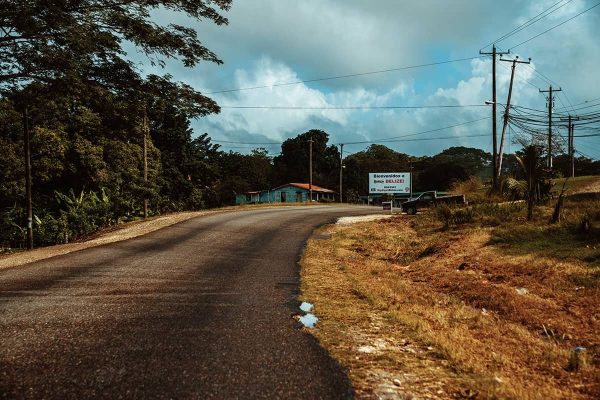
pixel 201 309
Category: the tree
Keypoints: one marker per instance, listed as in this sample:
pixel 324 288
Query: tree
pixel 77 40
pixel 241 173
pixel 583 165
pixel 376 158
pixel 65 61
pixel 292 164
pixel 472 160
pixel 441 176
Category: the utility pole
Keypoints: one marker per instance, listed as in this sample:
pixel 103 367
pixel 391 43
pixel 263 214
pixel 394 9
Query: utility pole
pixel 410 182
pixel 29 207
pixel 571 142
pixel 550 92
pixel 145 128
pixel 341 168
pixel 506 111
pixel 494 53
pixel 310 191
pixel 571 150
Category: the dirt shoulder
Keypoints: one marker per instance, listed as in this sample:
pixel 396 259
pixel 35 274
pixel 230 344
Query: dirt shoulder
pixel 501 310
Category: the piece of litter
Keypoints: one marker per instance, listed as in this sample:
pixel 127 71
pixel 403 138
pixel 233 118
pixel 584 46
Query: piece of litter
pixel 308 320
pixel 522 291
pixel 367 349
pixel 306 307
pixel 484 311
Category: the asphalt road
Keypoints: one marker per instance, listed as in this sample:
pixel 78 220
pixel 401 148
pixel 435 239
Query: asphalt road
pixel 201 309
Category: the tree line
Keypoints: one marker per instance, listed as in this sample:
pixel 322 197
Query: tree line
pixel 91 111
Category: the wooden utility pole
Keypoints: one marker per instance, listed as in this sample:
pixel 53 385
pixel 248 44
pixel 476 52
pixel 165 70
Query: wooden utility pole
pixel 310 146
pixel 506 111
pixel 494 53
pixel 341 168
pixel 571 142
pixel 550 92
pixel 29 206
pixel 145 128
pixel 571 149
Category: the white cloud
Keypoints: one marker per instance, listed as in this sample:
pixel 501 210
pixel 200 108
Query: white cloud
pixel 317 38
pixel 278 124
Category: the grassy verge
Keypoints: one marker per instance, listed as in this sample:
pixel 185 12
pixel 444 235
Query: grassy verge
pixel 483 306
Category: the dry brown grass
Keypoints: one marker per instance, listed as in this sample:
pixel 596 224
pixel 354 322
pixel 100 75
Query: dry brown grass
pixel 463 312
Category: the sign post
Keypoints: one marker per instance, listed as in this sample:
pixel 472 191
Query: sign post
pixel 388 205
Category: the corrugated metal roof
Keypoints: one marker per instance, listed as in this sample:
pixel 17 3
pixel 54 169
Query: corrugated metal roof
pixel 305 186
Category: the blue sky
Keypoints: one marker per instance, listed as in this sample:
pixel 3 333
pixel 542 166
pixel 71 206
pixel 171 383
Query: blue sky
pixel 277 41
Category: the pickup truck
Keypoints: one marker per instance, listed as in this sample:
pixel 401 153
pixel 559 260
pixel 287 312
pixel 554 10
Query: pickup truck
pixel 428 199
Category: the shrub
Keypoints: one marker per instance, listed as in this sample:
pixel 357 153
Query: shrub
pixel 326 201
pixel 486 213
pixel 12 228
pixel 472 188
pixel 49 230
pixel 86 213
pixel 513 189
pixel 454 216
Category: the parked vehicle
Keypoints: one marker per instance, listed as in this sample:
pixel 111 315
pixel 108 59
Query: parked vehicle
pixel 429 199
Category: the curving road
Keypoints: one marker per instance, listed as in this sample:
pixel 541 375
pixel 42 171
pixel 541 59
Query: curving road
pixel 201 309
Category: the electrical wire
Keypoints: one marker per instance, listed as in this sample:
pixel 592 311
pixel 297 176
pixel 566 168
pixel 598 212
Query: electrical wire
pixel 253 143
pixel 529 22
pixel 555 26
pixel 328 78
pixel 419 139
pixel 399 138
pixel 351 107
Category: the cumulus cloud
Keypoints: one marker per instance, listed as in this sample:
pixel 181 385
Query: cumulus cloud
pixel 272 41
pixel 315 107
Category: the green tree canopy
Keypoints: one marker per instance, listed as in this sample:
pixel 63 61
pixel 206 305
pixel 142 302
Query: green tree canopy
pixel 48 40
pixel 292 164
pixel 472 160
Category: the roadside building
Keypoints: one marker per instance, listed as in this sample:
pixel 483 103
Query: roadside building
pixel 288 193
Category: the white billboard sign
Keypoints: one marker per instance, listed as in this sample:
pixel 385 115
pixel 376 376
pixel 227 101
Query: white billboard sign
pixel 389 182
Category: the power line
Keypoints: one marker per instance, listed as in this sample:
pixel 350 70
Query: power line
pixel 398 138
pixel 328 78
pixel 351 107
pixel 422 139
pixel 253 143
pixel 523 79
pixel 585 155
pixel 586 101
pixel 387 139
pixel 555 26
pixel 529 22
